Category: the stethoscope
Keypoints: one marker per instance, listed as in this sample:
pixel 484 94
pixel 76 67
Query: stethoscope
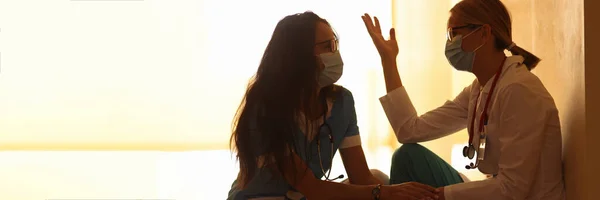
pixel 469 151
pixel 330 134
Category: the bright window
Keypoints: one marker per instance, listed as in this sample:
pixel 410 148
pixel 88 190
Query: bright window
pixel 153 74
pixel 139 95
pixel 116 85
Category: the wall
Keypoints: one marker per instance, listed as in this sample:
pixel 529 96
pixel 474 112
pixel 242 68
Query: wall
pixel 554 30
pixel 421 45
pixel 559 40
pixel 592 92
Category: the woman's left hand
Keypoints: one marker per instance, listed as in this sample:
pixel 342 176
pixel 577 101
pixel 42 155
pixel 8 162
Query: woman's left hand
pixel 388 49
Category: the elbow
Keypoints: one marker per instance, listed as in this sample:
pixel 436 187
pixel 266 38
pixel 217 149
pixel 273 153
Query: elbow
pixel 404 141
pixel 405 137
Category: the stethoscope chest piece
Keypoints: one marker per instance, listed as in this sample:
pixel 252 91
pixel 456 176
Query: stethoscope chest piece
pixel 469 151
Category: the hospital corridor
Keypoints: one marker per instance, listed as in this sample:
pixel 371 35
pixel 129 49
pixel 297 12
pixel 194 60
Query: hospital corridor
pixel 137 99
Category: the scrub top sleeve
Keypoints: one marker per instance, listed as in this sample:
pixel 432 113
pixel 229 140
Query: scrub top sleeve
pixel 352 136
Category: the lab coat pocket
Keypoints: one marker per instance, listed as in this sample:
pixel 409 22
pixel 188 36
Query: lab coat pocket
pixel 492 149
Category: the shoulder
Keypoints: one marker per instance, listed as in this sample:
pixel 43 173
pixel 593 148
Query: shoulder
pixel 519 79
pixel 519 84
pixel 342 94
pixel 464 97
pixel 518 73
pixel 526 89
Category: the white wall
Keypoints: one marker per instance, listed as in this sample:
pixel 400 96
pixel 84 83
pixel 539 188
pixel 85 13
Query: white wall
pixel 563 33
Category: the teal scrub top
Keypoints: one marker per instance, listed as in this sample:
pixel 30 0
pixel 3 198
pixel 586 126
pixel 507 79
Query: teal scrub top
pixel 343 124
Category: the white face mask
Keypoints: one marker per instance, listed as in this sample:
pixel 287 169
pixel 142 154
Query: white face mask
pixel 334 67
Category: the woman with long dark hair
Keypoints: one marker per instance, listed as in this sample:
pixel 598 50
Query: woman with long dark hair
pixel 293 119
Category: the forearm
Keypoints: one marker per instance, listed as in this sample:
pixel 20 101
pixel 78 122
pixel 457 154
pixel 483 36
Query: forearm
pixel 314 189
pixel 371 180
pixel 391 75
pixel 374 180
pixel 489 189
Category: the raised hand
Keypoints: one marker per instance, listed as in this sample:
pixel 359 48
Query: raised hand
pixel 388 49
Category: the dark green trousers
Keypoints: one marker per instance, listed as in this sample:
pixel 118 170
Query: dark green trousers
pixel 413 162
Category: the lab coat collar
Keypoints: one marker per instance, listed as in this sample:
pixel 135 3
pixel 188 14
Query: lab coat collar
pixel 510 62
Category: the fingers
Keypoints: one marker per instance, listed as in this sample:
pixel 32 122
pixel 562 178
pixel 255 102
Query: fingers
pixel 372 28
pixel 424 191
pixel 377 26
pixel 421 185
pixel 365 21
pixel 416 190
pixel 411 195
pixel 393 34
pixel 405 197
pixel 408 192
pixel 368 23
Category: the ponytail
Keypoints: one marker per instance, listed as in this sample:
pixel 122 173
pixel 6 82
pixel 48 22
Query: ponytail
pixel 530 61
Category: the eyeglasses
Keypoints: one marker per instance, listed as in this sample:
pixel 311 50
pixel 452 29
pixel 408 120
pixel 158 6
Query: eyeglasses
pixel 450 34
pixel 332 44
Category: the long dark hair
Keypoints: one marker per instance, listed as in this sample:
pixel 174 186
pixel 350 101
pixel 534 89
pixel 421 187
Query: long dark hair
pixel 284 85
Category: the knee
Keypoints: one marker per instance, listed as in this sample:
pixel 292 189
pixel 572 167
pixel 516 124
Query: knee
pixel 407 149
pixel 382 177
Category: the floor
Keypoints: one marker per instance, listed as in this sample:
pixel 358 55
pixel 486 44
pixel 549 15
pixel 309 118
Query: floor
pixel 192 175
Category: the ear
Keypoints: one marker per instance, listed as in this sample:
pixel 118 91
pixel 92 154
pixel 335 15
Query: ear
pixel 487 32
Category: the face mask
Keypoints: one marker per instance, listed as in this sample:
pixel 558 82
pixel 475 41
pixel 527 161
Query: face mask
pixel 458 58
pixel 334 67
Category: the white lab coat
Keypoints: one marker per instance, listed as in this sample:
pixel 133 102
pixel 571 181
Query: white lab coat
pixel 524 136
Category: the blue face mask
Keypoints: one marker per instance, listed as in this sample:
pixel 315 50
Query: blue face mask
pixel 458 58
pixel 334 67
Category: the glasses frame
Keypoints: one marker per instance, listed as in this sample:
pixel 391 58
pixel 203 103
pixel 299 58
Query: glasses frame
pixel 334 44
pixel 450 32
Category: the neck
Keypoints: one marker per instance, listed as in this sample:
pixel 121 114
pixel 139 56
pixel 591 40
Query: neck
pixel 491 65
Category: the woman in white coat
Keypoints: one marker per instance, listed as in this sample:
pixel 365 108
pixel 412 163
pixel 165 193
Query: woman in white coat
pixel 506 103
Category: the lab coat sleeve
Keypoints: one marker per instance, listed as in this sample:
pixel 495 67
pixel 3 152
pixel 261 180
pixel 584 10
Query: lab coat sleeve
pixel 442 121
pixel 522 125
